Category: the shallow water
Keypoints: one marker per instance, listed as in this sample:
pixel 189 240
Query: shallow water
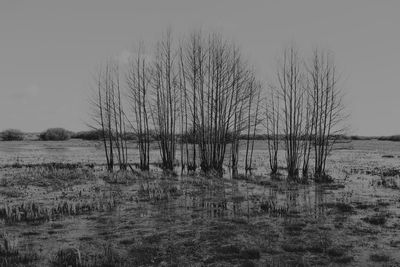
pixel 190 219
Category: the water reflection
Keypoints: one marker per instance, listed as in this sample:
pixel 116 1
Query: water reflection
pixel 233 199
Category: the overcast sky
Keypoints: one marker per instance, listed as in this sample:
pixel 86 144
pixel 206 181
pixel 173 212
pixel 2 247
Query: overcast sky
pixel 49 49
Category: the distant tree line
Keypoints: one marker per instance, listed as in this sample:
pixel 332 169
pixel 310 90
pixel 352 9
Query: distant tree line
pixel 95 135
pixel 52 134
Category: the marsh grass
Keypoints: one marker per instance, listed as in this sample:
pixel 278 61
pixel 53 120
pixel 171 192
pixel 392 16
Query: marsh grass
pixel 384 172
pixel 49 176
pixel 158 191
pixel 379 257
pixel 119 177
pixel 272 208
pixel 64 194
pixel 10 254
pixel 377 219
pixel 74 257
pixel 37 213
pixel 389 182
pixel 18 164
pixel 340 206
pixel 9 192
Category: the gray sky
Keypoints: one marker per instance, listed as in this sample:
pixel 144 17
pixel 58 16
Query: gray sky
pixel 49 49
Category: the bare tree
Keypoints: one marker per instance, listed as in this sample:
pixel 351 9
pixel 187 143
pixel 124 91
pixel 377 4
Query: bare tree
pixel 184 146
pixel 240 80
pixel 290 81
pixel 327 108
pixel 273 130
pixel 252 122
pixel 119 121
pixel 192 67
pixel 165 107
pixel 307 137
pixel 110 116
pixel 138 80
pixel 236 133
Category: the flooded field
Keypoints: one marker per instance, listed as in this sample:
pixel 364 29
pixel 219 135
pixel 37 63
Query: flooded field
pixel 75 214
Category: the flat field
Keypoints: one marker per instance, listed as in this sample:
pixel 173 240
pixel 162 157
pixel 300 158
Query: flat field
pixel 58 207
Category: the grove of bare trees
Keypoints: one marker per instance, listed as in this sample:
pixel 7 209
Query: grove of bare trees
pixel 200 99
pixel 219 91
pixel 309 109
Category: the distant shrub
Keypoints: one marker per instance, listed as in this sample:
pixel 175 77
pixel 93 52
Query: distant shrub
pixel 394 138
pixel 340 137
pixel 88 135
pixel 12 135
pixel 193 136
pixel 55 134
pixel 98 135
pixel 357 137
pixel 256 137
pixel 131 136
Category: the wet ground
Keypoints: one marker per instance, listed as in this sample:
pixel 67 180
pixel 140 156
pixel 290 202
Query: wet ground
pixel 76 215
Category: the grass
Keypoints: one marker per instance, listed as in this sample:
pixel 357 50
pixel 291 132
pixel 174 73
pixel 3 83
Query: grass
pixel 10 255
pixel 376 219
pixel 344 259
pixel 384 172
pixel 158 191
pixel 293 247
pixel 74 257
pixel 145 255
pixel 379 257
pixel 36 213
pixel 9 192
pixel 119 177
pixel 340 206
pixel 68 257
pixel 271 208
pixel 56 176
pixel 336 252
